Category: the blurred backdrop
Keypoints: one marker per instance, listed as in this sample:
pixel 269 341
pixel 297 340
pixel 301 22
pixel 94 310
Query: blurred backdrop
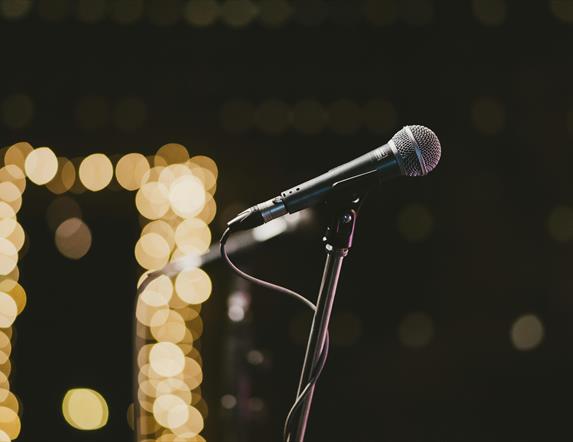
pixel 453 317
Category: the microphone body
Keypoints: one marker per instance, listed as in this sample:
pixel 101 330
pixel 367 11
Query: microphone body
pixel 381 162
pixel 413 151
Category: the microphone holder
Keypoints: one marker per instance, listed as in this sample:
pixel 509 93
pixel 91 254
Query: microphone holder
pixel 338 241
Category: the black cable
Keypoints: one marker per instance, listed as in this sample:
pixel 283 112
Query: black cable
pixel 324 352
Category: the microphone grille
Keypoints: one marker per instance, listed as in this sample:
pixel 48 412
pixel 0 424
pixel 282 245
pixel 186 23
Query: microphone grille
pixel 418 150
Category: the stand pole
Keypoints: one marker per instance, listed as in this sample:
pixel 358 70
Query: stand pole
pixel 338 241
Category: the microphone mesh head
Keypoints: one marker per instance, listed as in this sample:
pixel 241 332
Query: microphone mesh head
pixel 418 150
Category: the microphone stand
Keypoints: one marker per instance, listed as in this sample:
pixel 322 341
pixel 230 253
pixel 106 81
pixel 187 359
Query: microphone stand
pixel 338 241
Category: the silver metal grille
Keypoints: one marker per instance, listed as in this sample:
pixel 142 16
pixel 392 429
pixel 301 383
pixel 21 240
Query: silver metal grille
pixel 418 150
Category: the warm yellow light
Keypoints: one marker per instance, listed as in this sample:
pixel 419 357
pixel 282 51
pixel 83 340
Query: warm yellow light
pixel 152 251
pixel 193 286
pixel 172 330
pixel 41 165
pixel 8 311
pixel 65 177
pixel 167 359
pixel 11 195
pixel 17 153
pixel 96 172
pixel 130 170
pixel 15 291
pixel 192 427
pixel 163 229
pixel 527 332
pixel 170 411
pixel 152 200
pixel 85 409
pixel 14 175
pixel 193 236
pixel 171 153
pixel 192 374
pixel 9 422
pixel 8 256
pixel 187 196
pixel 73 238
pixel 13 232
pixel 10 401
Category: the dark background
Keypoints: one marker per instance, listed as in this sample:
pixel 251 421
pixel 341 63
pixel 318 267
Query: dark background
pixel 442 267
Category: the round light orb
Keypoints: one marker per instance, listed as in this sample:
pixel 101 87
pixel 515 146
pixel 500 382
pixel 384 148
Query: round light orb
pixel 85 409
pixel 96 172
pixel 41 165
pixel 73 238
pixel 167 359
pixel 130 170
pixel 193 286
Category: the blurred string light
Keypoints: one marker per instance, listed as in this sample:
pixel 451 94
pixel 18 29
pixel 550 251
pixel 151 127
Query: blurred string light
pixel 527 332
pixel 91 11
pixel 174 193
pixel 73 238
pixel 96 172
pixel 12 239
pixel 238 14
pixel 85 409
pixel 490 12
pixel 560 223
pixel 309 116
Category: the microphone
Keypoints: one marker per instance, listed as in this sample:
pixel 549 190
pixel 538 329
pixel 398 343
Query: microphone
pixel 412 151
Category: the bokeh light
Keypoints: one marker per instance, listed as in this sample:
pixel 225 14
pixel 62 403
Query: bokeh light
pixel 85 409
pixel 490 12
pixel 527 332
pixel 202 13
pixel 41 165
pixel 238 13
pixel 17 153
pixel 61 209
pixel 126 12
pixel 65 177
pixel 171 153
pixel 167 359
pixel 381 12
pixel 560 223
pixel 9 422
pixel 193 286
pixel 152 251
pixel 274 13
pixel 96 172
pixel 130 170
pixel 416 330
pixel 73 238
